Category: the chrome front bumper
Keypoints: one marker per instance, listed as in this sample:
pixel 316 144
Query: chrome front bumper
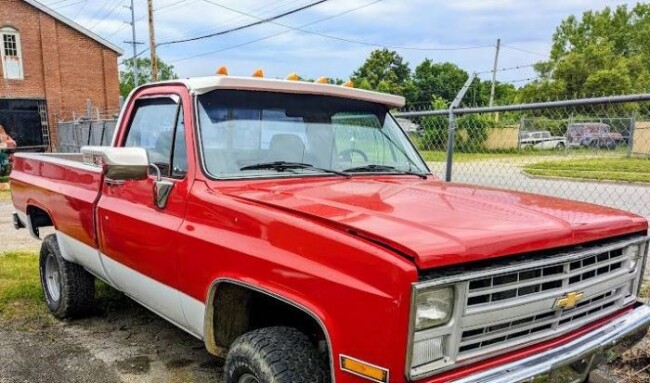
pixel 572 362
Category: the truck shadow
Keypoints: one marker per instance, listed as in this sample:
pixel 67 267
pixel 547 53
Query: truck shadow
pixel 141 346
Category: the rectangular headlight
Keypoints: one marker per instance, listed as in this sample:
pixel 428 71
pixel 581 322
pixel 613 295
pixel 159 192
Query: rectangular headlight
pixel 433 307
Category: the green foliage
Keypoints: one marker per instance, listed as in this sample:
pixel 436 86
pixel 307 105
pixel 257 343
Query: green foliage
pixel 476 128
pixel 165 72
pixel 601 53
pixel 443 80
pixel 384 71
pixel 471 130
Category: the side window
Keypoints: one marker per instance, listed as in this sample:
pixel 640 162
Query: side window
pixel 179 154
pixel 12 58
pixel 152 127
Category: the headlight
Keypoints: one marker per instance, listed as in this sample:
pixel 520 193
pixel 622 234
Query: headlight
pixel 433 307
pixel 634 255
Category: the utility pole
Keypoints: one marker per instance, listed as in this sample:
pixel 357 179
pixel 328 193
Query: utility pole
pixel 152 43
pixel 134 43
pixel 494 78
pixel 494 72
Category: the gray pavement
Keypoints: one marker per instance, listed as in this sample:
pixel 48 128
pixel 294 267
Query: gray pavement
pixel 507 174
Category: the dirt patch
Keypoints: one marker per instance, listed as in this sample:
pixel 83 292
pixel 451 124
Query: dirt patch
pixel 121 343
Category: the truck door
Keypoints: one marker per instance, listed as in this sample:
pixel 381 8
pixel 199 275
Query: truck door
pixel 138 239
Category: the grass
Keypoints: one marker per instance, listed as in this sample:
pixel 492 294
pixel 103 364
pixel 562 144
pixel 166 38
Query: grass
pixel 441 155
pixel 22 305
pixel 645 291
pixel 4 179
pixel 601 169
pixel 21 297
pixel 5 195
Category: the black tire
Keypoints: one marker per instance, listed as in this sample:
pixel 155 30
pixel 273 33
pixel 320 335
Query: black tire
pixel 275 355
pixel 559 146
pixel 76 286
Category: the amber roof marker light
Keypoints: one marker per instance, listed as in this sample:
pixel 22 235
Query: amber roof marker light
pixel 293 76
pixel 222 71
pixel 259 72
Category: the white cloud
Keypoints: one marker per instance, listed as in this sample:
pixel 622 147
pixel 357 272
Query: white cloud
pixel 526 24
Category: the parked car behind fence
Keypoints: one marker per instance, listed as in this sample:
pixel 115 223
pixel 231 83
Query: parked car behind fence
pixel 593 135
pixel 541 140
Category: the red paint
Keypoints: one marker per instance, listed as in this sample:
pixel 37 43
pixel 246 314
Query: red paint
pixel 348 250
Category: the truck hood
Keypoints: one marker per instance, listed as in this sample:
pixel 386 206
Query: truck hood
pixel 439 224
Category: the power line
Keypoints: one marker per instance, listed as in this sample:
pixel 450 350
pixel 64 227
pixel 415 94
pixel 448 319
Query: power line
pixel 235 29
pixel 164 8
pixel 56 2
pixel 259 22
pixel 525 51
pixel 344 39
pixel 300 29
pixel 270 8
pixel 279 33
pixel 523 80
pixel 110 12
pixel 509 68
pixel 68 5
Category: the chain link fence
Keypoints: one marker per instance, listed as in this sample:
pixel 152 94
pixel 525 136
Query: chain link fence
pixel 72 135
pixel 594 150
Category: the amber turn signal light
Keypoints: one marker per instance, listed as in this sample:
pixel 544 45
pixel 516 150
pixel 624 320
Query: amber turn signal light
pixel 222 71
pixel 363 369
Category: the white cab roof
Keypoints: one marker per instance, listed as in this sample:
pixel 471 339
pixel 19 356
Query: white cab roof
pixel 201 85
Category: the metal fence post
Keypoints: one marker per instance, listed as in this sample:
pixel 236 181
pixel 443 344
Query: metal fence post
pixel 630 139
pixel 450 145
pixel 452 125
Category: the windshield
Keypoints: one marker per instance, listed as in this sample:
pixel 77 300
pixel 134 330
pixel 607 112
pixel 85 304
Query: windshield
pixel 242 129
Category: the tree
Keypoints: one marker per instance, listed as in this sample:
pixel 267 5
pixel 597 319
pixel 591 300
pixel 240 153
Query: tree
pixel 165 72
pixel 384 71
pixel 602 53
pixel 444 80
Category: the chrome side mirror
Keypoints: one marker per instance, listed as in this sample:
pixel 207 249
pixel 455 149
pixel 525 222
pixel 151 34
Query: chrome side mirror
pixel 118 164
pixel 161 189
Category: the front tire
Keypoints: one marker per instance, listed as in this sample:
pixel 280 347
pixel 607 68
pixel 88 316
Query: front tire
pixel 69 289
pixel 274 355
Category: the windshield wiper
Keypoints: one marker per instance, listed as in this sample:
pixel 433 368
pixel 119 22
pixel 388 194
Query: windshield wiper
pixel 285 165
pixel 384 168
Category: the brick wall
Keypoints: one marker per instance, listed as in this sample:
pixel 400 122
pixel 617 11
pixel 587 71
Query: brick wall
pixel 60 64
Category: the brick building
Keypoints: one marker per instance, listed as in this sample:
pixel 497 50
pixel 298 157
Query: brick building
pixel 50 67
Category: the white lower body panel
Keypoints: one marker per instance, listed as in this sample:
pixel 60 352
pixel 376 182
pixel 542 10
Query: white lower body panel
pixel 175 306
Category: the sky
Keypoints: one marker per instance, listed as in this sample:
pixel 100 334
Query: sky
pixel 463 32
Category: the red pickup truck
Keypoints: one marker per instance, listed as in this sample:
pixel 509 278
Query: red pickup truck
pixel 295 224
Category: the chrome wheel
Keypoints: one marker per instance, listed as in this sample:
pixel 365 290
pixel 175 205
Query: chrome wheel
pixel 248 378
pixel 53 277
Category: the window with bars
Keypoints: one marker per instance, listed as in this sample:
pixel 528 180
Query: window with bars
pixel 10 52
pixel 10 45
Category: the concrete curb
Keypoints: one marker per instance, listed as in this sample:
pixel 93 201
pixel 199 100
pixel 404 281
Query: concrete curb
pixel 584 180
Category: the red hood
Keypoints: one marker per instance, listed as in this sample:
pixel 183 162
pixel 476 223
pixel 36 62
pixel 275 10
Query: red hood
pixel 440 224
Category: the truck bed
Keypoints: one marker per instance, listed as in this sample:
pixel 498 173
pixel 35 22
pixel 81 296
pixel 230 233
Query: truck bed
pixel 61 185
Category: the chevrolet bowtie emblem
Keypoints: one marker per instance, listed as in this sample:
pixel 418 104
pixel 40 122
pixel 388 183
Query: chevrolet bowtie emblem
pixel 568 301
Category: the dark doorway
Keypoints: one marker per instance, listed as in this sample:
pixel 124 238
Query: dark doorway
pixel 26 122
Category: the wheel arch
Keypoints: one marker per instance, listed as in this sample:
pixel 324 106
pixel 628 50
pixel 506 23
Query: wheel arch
pixel 210 336
pixel 37 217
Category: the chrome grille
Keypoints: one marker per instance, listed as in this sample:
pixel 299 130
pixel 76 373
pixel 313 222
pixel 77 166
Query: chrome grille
pixel 509 303
pixel 531 281
pixel 551 320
